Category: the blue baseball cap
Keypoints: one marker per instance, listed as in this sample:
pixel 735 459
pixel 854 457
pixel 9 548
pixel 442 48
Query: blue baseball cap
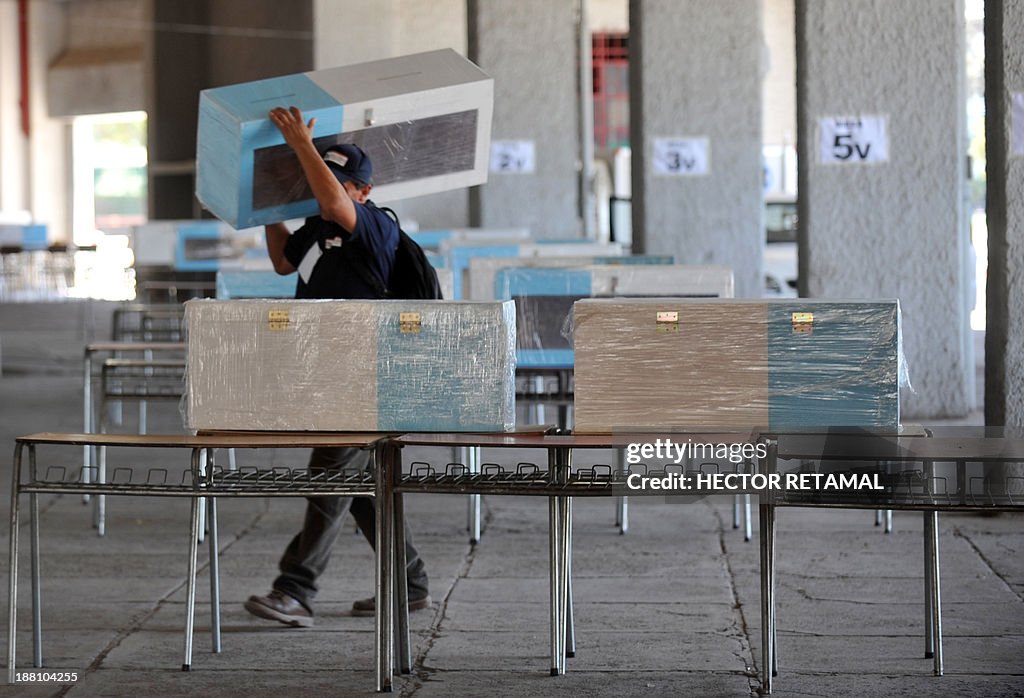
pixel 349 163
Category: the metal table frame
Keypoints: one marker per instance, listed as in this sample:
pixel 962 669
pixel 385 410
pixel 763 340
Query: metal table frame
pixel 197 483
pixel 153 322
pixel 89 419
pixel 923 497
pixel 558 483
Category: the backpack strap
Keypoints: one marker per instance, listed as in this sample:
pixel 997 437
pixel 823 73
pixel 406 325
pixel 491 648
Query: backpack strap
pixel 391 214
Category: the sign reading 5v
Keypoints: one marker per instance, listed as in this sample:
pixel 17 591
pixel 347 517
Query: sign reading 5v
pixel 853 139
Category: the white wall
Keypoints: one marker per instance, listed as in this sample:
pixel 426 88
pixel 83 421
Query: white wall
pixel 355 31
pixel 608 15
pixel 13 165
pixel 49 171
pixel 779 118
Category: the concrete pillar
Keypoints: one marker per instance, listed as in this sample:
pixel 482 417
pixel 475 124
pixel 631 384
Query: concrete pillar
pixel 13 167
pixel 529 47
pixel 893 226
pixel 1004 133
pixel 48 154
pixel 695 130
pixel 198 44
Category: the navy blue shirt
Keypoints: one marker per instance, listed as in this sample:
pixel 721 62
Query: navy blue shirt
pixel 327 255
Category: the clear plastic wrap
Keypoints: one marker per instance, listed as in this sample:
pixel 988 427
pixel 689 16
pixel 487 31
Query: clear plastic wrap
pixel 345 365
pixel 482 270
pixel 424 120
pixel 544 298
pixel 233 284
pixel 460 253
pixel 776 364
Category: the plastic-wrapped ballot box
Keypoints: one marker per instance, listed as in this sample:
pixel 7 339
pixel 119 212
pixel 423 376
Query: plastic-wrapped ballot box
pixel 460 253
pixel 424 120
pixel 776 363
pixel 347 365
pixel 482 270
pixel 254 283
pixel 544 298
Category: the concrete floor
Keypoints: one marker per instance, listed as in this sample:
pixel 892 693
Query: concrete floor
pixel 671 609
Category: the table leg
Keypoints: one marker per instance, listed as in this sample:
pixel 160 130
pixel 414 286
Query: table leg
pixel 193 551
pixel 402 588
pixel 205 465
pixel 100 512
pixel 570 624
pixel 473 462
pixel 554 542
pixel 772 528
pixel 37 599
pixel 211 503
pixel 12 562
pixel 936 595
pixel 766 515
pixel 929 628
pixel 384 627
pixel 87 424
pixel 766 613
pixel 748 533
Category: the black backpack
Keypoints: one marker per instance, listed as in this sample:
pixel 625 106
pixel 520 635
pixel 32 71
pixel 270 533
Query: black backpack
pixel 412 276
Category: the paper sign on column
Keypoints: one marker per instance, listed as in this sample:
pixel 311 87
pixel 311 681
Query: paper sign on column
pixel 512 157
pixel 681 157
pixel 853 139
pixel 1018 123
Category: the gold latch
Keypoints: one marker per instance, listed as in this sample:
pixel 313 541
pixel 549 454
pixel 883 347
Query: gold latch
pixel 278 319
pixel 667 321
pixel 803 323
pixel 409 323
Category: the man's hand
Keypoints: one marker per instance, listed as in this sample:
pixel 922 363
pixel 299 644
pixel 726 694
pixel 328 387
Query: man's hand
pixel 334 201
pixel 289 122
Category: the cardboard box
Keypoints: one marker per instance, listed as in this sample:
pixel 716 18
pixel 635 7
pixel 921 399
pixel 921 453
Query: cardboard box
pixel 775 364
pixel 424 120
pixel 544 298
pixel 350 365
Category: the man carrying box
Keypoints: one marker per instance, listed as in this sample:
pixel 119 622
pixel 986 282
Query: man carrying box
pixel 331 252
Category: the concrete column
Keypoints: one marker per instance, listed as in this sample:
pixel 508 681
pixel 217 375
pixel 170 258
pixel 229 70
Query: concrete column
pixel 198 44
pixel 695 79
pixel 1004 336
pixel 12 141
pixel 529 47
pixel 48 154
pixel 892 228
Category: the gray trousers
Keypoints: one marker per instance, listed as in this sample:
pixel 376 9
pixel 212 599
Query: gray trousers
pixel 306 557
